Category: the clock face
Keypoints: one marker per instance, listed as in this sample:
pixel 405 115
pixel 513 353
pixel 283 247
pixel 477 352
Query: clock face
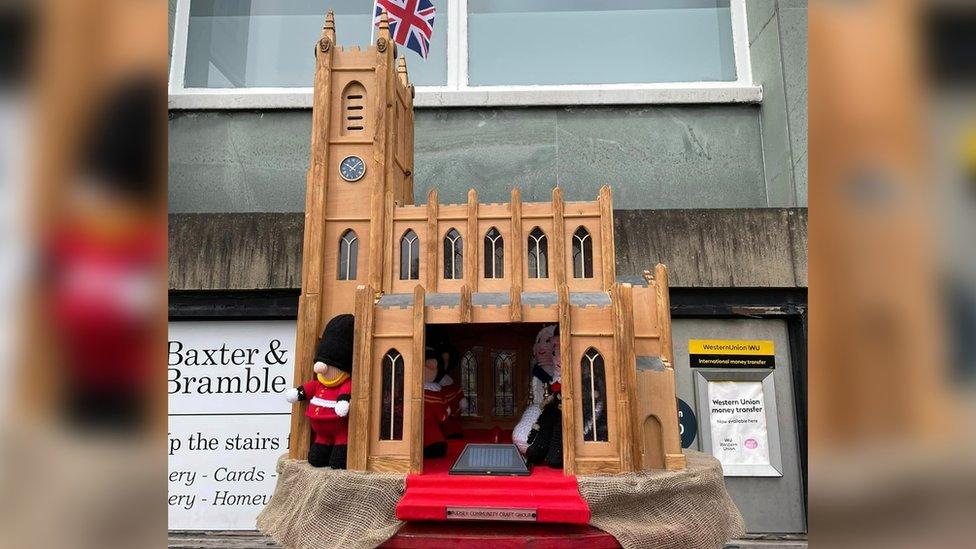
pixel 352 168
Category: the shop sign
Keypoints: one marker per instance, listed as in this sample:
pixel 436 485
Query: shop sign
pixel 738 422
pixel 725 353
pixel 228 421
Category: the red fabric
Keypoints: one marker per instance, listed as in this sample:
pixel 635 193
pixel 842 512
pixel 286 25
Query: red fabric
pixel 331 431
pixel 315 389
pixel 451 426
pixel 493 535
pixel 102 300
pixel 328 427
pixel 435 412
pixel 553 495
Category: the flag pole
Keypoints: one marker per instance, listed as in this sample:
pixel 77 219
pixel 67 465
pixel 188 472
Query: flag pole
pixel 372 23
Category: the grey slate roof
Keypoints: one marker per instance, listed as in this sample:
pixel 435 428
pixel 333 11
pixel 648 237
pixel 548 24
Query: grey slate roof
pixel 496 299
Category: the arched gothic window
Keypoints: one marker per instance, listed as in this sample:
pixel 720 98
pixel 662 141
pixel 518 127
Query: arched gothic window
pixel 409 256
pixel 453 255
pixel 594 385
pixel 348 255
pixel 391 416
pixel 582 253
pixel 494 254
pixel 353 109
pixel 538 254
pixel 469 382
pixel 504 397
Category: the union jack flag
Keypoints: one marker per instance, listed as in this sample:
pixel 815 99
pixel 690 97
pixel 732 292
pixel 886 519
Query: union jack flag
pixel 411 22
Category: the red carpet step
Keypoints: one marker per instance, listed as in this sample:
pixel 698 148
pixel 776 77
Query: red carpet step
pixel 545 496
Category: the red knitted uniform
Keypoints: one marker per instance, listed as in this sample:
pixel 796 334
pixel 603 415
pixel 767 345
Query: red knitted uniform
pixel 435 412
pixel 328 427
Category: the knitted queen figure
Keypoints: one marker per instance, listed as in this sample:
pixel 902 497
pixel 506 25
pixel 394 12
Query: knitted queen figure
pixel 544 395
pixel 329 393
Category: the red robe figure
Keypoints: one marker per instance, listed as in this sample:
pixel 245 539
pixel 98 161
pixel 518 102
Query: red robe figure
pixel 454 402
pixel 451 392
pixel 439 404
pixel 329 393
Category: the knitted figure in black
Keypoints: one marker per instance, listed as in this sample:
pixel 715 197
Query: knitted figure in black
pixel 546 437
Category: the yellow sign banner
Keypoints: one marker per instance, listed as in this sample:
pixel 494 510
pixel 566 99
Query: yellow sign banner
pixel 730 347
pixel 731 353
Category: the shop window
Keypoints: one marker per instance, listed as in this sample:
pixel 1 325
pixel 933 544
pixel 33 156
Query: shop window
pixel 453 255
pixel 469 382
pixel 538 254
pixel 504 397
pixel 582 254
pixel 494 254
pixel 593 377
pixel 625 40
pixel 409 256
pixel 268 43
pixel 391 417
pixel 353 109
pixel 348 255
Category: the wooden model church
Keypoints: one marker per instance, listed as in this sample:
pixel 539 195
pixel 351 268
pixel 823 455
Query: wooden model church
pixel 489 275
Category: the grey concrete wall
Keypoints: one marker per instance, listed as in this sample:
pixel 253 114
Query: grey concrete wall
pixel 654 157
pixel 740 248
pixel 778 48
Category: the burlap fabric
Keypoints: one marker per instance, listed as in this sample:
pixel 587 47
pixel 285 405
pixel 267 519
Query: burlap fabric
pixel 664 509
pixel 321 508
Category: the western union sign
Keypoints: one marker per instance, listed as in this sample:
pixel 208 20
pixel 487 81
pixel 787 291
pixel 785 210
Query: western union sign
pixel 727 353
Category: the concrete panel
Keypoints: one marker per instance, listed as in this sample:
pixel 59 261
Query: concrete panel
pixel 714 248
pixel 702 248
pixel 235 251
pixel 238 161
pixel 793 30
pixel 767 69
pixel 663 157
pixel 655 157
pixel 491 150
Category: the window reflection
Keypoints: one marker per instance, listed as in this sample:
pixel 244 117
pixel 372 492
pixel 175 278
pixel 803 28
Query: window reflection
pixel 594 397
pixel 582 254
pixel 494 254
pixel 391 415
pixel 538 254
pixel 453 255
pixel 504 398
pixel 409 256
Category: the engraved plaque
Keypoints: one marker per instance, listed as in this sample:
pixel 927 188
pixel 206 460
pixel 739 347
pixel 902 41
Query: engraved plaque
pixel 489 513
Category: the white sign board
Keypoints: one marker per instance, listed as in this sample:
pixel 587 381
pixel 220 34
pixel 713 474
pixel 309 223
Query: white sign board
pixel 228 421
pixel 739 436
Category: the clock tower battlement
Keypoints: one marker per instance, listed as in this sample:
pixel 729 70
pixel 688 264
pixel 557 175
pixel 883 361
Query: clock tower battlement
pixel 361 160
pixel 361 166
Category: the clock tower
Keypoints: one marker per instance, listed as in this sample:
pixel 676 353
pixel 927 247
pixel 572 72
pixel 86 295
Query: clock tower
pixel 361 166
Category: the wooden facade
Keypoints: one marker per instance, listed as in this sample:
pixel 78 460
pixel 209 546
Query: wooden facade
pixel 401 267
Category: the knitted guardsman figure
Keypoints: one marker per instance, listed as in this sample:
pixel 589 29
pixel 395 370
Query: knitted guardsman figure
pixel 440 403
pixel 545 439
pixel 329 393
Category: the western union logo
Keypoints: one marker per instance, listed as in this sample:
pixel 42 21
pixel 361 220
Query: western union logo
pixel 727 353
pixel 730 347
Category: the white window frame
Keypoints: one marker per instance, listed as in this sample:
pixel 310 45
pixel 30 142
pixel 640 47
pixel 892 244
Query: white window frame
pixel 457 92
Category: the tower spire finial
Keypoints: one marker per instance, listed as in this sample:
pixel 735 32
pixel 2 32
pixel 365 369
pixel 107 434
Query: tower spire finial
pixel 328 29
pixel 384 24
pixel 402 70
